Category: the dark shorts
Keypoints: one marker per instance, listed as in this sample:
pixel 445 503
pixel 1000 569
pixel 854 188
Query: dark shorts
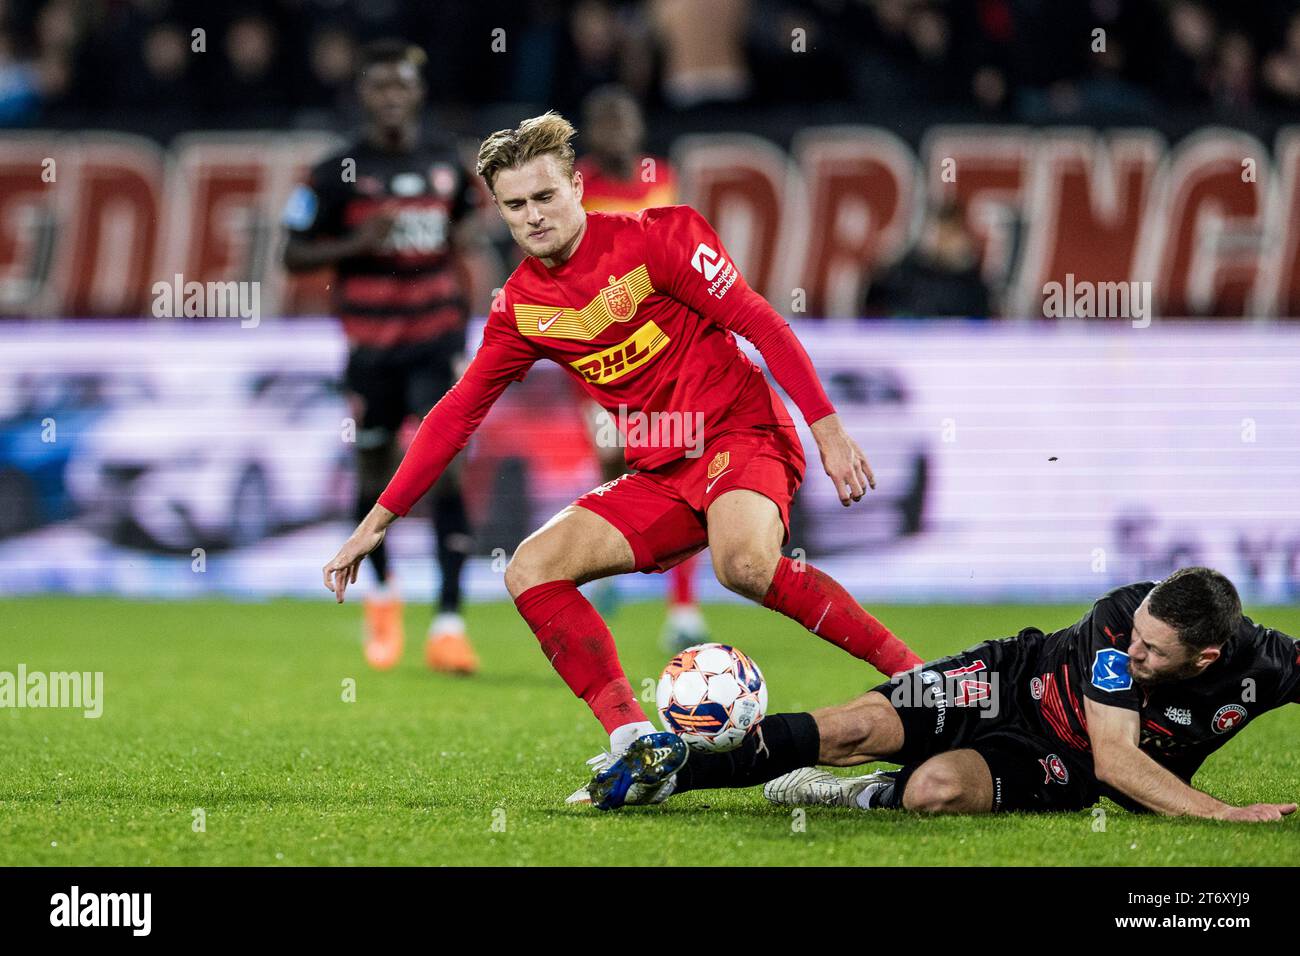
pixel 394 383
pixel 661 512
pixel 972 701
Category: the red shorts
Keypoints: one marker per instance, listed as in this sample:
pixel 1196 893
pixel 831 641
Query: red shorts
pixel 661 512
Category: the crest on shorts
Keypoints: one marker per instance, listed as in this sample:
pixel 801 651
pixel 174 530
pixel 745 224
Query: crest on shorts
pixel 1054 769
pixel 719 464
pixel 618 300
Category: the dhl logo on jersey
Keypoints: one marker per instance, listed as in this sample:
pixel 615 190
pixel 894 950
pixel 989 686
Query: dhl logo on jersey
pixel 617 302
pixel 613 363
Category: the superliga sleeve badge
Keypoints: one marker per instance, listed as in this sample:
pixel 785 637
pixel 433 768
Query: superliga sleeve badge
pixel 1110 670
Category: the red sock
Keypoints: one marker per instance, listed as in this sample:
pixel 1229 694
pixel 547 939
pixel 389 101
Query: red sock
pixel 817 602
pixel 683 582
pixel 581 649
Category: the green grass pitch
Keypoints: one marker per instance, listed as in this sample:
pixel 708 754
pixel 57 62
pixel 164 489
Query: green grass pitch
pixel 238 711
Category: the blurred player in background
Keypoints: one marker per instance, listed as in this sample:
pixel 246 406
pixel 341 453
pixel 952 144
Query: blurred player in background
pixel 619 177
pixel 386 214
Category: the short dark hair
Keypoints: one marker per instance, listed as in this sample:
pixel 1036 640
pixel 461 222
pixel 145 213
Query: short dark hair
pixel 389 51
pixel 1200 604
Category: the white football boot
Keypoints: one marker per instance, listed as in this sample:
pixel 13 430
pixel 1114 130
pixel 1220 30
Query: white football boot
pixel 812 787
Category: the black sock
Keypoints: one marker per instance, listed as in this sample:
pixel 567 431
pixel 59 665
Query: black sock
pixel 890 796
pixel 373 472
pixel 782 742
pixel 451 527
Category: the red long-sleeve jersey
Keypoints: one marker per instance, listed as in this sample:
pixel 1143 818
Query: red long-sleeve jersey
pixel 642 314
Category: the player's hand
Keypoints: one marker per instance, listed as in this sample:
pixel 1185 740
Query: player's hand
pixel 342 570
pixel 1258 812
pixel 372 231
pixel 843 460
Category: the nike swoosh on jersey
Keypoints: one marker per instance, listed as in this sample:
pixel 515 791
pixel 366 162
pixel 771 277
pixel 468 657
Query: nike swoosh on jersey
pixel 543 326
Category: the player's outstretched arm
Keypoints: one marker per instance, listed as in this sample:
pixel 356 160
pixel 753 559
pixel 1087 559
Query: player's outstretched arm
pixel 501 359
pixel 1114 733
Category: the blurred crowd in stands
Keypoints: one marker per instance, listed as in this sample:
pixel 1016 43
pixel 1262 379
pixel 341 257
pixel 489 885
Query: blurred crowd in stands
pixel 137 65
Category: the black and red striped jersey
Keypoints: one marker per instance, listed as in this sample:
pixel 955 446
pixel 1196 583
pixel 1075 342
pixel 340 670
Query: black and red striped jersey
pixel 410 289
pixel 1183 721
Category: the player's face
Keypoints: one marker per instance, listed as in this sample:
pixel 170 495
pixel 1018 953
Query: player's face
pixel 1156 654
pixel 542 206
pixel 391 94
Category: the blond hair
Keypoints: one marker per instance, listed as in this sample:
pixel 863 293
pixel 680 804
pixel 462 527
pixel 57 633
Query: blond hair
pixel 511 148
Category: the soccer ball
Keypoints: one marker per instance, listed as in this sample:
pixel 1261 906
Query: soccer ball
pixel 712 695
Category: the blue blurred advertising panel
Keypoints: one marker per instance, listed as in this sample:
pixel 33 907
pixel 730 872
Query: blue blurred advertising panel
pixel 1013 462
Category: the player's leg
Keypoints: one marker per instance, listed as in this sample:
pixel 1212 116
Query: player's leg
pixel 608 444
pixel 746 529
pixel 428 371
pixel 635 523
pixel 966 746
pixel 447 647
pixel 908 719
pixel 576 546
pixel 865 729
pixel 955 782
pixel 1012 769
pixel 377 407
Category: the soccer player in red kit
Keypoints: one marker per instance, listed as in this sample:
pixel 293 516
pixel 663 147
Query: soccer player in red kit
pixel 618 177
pixel 644 309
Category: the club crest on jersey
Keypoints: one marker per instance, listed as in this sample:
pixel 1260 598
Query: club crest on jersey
pixel 618 300
pixel 1228 718
pixel 719 464
pixel 1054 769
pixel 1110 670
pixel 1036 688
